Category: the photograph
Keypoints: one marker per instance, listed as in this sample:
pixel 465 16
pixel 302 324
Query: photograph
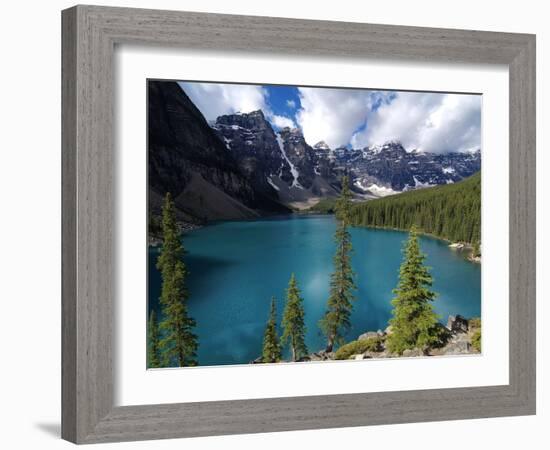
pixel 295 224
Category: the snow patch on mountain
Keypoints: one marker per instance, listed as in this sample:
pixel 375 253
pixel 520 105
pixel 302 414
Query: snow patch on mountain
pixel 379 191
pixel 273 185
pixel 227 143
pixel 293 170
pixel 375 149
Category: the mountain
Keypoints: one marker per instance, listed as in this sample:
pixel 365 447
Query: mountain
pixel 254 145
pixel 451 211
pixel 239 166
pixel 281 161
pixel 390 169
pixel 302 174
pixel 187 159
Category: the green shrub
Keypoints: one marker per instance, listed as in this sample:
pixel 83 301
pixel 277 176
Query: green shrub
pixel 373 344
pixel 474 323
pixel 476 340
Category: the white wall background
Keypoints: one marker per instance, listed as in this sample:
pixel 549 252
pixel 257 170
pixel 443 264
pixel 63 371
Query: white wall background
pixel 31 209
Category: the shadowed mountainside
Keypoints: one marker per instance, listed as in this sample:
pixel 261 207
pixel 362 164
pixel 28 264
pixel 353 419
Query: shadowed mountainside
pixel 187 159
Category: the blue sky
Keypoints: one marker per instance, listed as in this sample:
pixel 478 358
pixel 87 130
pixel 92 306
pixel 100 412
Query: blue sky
pixel 283 100
pixel 436 122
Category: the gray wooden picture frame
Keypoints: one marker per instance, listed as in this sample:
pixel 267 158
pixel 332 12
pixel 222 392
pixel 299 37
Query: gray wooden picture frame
pixel 90 34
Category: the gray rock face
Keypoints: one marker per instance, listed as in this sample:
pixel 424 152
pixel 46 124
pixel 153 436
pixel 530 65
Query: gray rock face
pixel 375 355
pixel 459 347
pixel 280 164
pixel 321 356
pixel 413 353
pixel 369 334
pixel 457 324
pixel 264 154
pixel 300 154
pixel 390 166
pixel 253 143
pixel 375 171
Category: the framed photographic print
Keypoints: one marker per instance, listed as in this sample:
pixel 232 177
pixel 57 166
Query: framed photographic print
pixel 268 230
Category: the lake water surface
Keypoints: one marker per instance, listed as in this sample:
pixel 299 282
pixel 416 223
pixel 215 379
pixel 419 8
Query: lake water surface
pixel 236 267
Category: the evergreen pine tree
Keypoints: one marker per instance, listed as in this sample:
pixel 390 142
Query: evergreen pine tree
pixel 414 323
pixel 272 349
pixel 336 320
pixel 153 341
pixel 294 329
pixel 179 343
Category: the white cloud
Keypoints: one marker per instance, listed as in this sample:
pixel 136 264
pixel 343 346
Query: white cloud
pixel 429 122
pixel 214 99
pixel 426 121
pixel 291 104
pixel 331 115
pixel 281 121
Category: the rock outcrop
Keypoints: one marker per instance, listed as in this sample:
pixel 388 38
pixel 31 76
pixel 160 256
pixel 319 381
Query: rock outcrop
pixel 389 169
pixel 371 334
pixel 457 341
pixel 457 324
pixel 280 164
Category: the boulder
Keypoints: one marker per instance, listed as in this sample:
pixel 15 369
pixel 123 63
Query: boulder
pixel 315 357
pixel 457 348
pixel 457 324
pixel 457 246
pixel 321 356
pixel 375 355
pixel 409 353
pixel 368 335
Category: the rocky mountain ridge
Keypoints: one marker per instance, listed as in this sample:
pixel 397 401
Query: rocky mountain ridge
pixel 282 160
pixel 375 171
pixel 240 166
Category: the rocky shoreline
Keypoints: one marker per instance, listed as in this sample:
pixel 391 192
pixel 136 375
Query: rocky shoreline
pixel 460 339
pixel 462 247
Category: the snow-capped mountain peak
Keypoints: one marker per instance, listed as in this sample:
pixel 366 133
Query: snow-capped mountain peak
pixel 283 161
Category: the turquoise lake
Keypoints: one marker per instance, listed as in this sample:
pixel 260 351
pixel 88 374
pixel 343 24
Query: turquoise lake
pixel 236 267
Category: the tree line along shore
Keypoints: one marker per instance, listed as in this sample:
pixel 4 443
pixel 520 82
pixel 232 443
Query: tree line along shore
pixel 450 212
